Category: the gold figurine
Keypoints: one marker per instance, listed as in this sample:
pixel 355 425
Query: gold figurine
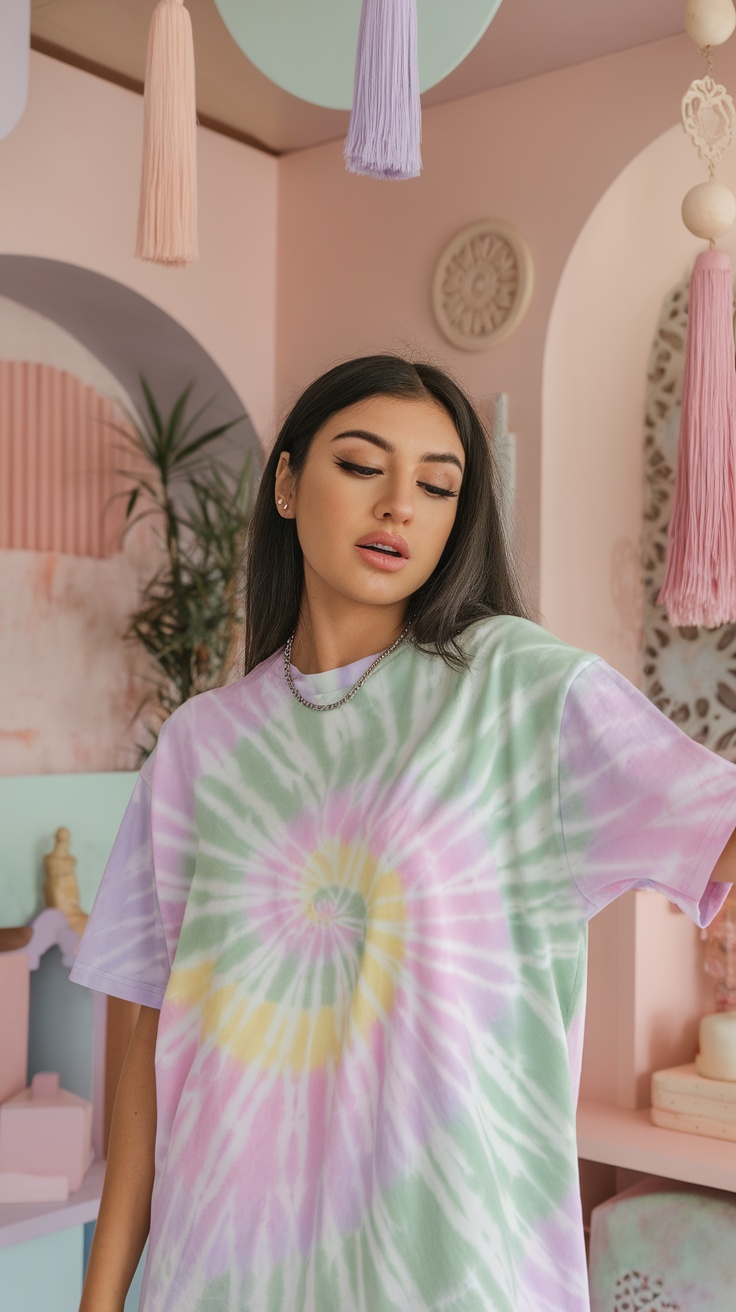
pixel 61 889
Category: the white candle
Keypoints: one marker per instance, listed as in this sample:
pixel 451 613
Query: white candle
pixel 717 1057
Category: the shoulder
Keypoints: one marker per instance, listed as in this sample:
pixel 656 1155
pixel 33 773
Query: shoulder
pixel 523 649
pixel 221 709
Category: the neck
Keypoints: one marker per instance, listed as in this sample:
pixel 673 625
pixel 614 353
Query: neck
pixel 328 638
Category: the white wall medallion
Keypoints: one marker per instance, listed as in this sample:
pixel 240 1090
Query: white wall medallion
pixel 482 285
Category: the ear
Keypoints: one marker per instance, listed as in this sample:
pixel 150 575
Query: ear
pixel 285 487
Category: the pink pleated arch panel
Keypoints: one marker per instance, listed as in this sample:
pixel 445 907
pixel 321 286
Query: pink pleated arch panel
pixel 62 464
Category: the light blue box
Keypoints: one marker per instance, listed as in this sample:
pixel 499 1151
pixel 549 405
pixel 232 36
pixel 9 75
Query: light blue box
pixel 43 1275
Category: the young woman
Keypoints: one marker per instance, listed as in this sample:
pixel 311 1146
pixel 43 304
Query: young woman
pixel 355 886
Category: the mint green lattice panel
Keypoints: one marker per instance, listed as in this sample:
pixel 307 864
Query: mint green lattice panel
pixel 32 808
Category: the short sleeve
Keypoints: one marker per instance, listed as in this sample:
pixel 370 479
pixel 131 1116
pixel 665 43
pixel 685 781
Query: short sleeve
pixel 641 804
pixel 123 950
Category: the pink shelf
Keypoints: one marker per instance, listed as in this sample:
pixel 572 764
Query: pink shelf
pixel 605 1134
pixel 22 1221
pixel 628 1138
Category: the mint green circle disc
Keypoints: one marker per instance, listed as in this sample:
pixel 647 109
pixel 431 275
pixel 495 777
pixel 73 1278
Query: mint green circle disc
pixel 308 46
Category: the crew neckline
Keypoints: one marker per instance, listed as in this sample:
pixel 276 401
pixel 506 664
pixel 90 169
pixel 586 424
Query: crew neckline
pixel 322 686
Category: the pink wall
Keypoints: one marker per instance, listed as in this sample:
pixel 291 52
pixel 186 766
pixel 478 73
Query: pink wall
pixel 69 175
pixel 356 257
pixel 69 178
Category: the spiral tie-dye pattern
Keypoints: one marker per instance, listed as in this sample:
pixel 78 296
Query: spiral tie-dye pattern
pixel 367 936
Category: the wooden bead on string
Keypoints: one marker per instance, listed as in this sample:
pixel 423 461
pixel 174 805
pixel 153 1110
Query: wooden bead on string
pixel 709 210
pixel 710 22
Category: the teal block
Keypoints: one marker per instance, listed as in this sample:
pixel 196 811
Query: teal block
pixel 43 1275
pixel 89 1234
pixel 664 1244
pixel 32 808
pixel 60 1035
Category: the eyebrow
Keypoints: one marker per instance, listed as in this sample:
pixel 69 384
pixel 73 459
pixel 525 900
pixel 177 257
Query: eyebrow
pixel 433 457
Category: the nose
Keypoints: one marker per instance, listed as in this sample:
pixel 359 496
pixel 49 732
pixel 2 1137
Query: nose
pixel 396 502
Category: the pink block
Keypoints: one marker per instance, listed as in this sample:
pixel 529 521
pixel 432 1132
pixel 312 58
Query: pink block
pixel 47 1134
pixel 15 993
pixel 45 1084
pixel 19 1187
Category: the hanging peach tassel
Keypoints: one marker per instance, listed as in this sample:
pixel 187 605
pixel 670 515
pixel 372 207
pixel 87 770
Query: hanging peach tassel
pixel 700 579
pixel 167 219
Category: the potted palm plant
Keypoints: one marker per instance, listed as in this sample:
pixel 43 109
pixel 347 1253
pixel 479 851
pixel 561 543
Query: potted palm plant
pixel 189 616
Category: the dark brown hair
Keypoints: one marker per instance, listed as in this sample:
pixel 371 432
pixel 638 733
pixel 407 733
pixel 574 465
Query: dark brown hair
pixel 473 579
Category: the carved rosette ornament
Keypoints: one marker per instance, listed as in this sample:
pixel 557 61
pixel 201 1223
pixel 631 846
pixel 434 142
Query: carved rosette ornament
pixel 482 285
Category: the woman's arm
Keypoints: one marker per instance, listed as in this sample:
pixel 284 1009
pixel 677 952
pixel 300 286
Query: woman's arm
pixel 125 1209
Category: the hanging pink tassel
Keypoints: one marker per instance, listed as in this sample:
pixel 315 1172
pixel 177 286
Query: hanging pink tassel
pixel 700 578
pixel 385 130
pixel 167 219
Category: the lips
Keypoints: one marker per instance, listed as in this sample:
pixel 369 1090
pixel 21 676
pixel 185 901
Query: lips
pixel 383 551
pixel 388 545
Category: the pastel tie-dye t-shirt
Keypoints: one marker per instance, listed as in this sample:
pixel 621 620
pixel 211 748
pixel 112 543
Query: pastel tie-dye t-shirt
pixel 366 931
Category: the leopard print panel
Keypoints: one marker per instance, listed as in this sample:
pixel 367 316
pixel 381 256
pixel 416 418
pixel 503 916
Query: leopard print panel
pixel 689 673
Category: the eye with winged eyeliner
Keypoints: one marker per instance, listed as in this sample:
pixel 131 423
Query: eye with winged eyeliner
pixel 429 457
pixel 365 471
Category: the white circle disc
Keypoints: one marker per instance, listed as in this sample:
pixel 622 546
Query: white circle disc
pixel 308 46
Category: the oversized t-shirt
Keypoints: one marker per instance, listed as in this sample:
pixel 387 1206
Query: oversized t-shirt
pixel 366 932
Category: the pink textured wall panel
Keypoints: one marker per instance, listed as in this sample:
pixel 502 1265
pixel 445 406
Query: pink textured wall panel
pixel 59 463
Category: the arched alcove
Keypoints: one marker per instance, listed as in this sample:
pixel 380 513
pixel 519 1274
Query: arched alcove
pixel 127 333
pixel 72 686
pixel 645 982
pixel 630 253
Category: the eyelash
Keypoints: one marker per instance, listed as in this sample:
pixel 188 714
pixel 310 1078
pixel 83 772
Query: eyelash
pixel 365 471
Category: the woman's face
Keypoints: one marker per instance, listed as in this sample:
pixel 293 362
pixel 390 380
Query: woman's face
pixel 376 499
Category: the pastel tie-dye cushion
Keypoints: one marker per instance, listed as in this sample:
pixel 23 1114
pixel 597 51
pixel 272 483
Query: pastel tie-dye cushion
pixel 366 931
pixel 663 1247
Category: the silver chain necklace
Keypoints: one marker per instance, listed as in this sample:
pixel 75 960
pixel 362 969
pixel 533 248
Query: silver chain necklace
pixel 332 706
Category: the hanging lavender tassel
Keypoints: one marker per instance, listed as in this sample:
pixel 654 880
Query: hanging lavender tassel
pixel 385 130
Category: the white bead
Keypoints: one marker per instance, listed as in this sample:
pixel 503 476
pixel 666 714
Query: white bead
pixel 709 210
pixel 709 22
